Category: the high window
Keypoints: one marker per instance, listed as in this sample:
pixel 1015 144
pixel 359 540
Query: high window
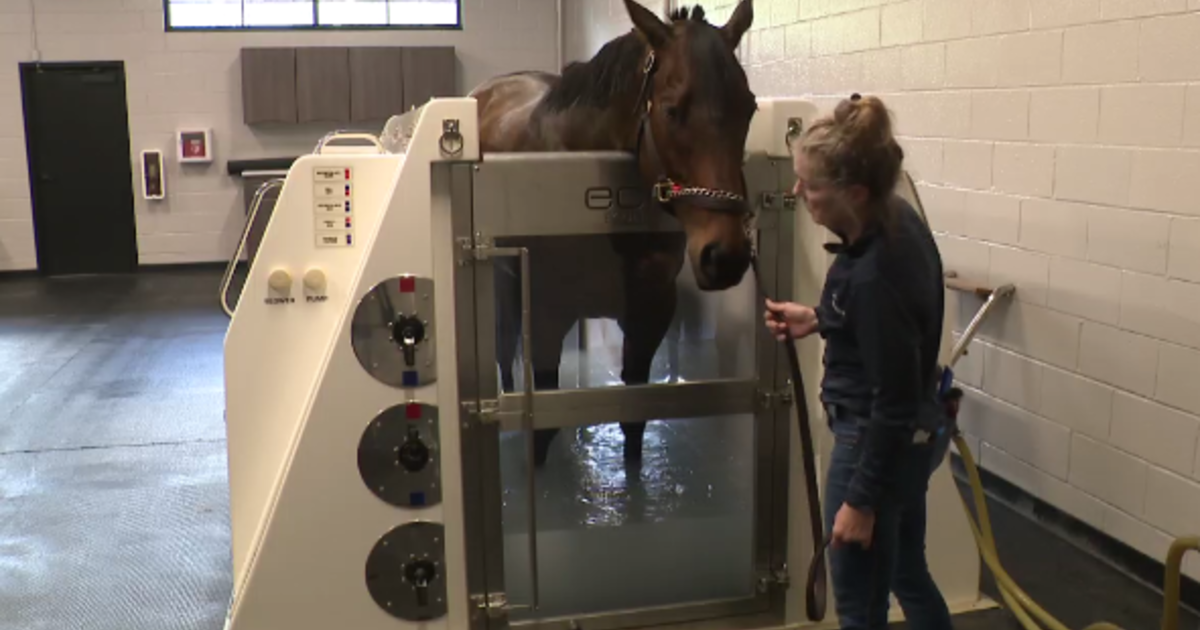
pixel 312 14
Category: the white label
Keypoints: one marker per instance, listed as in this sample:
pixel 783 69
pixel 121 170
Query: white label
pixel 340 238
pixel 327 206
pixel 331 174
pixel 328 223
pixel 332 191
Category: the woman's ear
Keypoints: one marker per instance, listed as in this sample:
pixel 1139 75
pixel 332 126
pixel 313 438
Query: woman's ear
pixel 858 195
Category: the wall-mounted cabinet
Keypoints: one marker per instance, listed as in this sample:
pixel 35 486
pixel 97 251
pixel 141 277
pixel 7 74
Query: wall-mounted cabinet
pixel 322 85
pixel 428 73
pixel 269 85
pixel 340 84
pixel 376 83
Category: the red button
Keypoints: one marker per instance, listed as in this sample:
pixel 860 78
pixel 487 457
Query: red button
pixel 408 284
pixel 414 411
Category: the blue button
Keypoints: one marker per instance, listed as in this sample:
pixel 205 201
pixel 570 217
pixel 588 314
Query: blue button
pixel 416 498
pixel 410 378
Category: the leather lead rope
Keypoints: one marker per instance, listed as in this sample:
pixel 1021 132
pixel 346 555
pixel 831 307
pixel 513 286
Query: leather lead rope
pixel 666 191
pixel 815 584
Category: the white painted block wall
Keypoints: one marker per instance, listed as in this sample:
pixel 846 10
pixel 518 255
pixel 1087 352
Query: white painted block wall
pixel 1057 145
pixel 179 79
pixel 589 24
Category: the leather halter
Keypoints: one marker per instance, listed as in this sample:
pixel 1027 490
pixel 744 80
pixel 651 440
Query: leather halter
pixel 665 190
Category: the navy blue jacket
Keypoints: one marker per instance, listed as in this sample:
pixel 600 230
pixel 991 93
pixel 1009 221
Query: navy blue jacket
pixel 881 317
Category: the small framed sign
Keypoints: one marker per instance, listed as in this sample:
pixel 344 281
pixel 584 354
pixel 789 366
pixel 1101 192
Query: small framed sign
pixel 153 180
pixel 195 145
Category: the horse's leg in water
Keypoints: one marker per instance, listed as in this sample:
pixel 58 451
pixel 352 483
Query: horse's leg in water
pixel 551 325
pixel 648 315
pixel 508 320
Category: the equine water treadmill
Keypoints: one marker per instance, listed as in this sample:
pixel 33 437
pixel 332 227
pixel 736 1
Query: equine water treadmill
pixel 481 391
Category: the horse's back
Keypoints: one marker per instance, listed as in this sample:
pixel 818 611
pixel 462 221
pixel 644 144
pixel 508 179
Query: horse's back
pixel 506 106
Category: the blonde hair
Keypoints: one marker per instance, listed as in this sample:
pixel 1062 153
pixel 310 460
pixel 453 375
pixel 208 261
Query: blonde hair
pixel 855 146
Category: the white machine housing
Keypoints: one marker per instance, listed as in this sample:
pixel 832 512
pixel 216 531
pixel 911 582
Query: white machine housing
pixel 297 397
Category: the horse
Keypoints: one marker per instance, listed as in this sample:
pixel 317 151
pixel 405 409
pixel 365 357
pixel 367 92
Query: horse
pixel 674 94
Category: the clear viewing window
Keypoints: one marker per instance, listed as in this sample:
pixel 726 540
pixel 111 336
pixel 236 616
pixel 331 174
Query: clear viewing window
pixel 312 14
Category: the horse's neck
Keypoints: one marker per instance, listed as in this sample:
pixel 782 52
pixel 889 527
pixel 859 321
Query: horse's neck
pixel 613 128
pixel 608 123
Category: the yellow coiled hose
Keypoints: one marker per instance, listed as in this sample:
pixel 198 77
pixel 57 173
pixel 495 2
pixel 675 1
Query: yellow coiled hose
pixel 1017 601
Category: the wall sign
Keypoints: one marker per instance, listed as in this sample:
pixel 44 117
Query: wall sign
pixel 195 145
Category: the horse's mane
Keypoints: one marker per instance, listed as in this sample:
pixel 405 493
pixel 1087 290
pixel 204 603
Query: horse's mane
pixel 596 82
pixel 680 14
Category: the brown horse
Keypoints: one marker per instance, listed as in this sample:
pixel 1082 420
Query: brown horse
pixel 674 94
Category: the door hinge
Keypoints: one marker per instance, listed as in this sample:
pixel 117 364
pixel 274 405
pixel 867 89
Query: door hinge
pixel 770 399
pixel 474 249
pixel 775 578
pixel 485 411
pixel 778 201
pixel 495 605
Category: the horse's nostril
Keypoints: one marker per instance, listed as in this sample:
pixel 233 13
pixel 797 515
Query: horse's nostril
pixel 709 256
pixel 721 267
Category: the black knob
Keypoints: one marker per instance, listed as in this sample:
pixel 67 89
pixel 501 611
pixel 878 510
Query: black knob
pixel 413 454
pixel 407 332
pixel 419 574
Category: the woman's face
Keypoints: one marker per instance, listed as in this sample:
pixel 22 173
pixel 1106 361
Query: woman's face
pixel 826 203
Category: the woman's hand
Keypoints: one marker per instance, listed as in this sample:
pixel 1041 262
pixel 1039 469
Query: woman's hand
pixel 853 526
pixel 782 316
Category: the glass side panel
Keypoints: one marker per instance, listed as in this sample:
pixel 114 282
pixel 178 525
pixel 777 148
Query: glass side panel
pixel 675 528
pixel 610 309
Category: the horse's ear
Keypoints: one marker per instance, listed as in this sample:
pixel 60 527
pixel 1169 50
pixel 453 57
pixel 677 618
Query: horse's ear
pixel 654 30
pixel 739 23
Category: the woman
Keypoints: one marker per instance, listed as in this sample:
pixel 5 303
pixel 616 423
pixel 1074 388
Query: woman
pixel 881 316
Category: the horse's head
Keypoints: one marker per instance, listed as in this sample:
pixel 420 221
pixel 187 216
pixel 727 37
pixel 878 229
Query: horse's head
pixel 696 107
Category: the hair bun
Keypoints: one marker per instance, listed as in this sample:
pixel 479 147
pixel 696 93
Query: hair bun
pixel 865 120
pixel 857 145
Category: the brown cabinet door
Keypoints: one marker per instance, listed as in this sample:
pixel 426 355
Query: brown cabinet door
pixel 268 85
pixel 323 84
pixel 376 83
pixel 429 72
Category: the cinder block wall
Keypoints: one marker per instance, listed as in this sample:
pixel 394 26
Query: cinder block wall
pixel 177 79
pixel 1057 145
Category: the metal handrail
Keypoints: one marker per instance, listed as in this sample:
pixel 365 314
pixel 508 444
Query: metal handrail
pixel 259 194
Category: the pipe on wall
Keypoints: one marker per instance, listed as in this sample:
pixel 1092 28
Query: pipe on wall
pixel 558 59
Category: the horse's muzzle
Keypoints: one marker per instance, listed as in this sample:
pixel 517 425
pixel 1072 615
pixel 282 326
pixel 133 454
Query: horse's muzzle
pixel 721 268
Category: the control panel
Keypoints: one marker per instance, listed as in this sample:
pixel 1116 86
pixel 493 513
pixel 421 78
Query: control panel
pixel 398 456
pixel 393 332
pixel 406 569
pixel 333 206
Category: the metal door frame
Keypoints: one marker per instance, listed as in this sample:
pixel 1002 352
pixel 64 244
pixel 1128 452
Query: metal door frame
pixel 766 396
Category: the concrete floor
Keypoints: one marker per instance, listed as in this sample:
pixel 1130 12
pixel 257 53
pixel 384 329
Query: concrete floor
pixel 113 496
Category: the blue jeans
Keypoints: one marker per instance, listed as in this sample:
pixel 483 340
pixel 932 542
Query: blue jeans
pixel 895 562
